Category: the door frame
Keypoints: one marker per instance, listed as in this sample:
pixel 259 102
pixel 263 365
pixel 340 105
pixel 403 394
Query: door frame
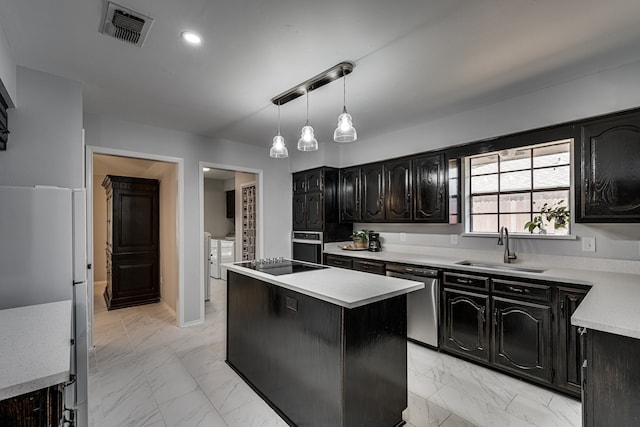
pixel 179 162
pixel 259 220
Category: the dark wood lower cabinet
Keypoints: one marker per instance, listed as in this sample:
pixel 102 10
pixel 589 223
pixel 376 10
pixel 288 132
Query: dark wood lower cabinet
pixel 465 328
pixel 522 338
pixel 41 408
pixel 570 353
pixel 317 363
pixel 611 381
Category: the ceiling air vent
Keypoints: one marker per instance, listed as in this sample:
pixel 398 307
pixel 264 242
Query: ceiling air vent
pixel 125 24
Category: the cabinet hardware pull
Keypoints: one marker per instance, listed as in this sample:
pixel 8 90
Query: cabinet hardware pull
pixel 518 290
pixel 482 310
pixel 495 316
pixel 562 309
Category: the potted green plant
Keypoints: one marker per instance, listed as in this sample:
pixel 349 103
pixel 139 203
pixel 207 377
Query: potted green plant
pixel 360 238
pixel 556 213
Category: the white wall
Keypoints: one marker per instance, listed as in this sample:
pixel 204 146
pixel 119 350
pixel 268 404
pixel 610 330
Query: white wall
pixel 45 144
pixel 102 131
pixel 7 66
pixel 604 92
pixel 215 209
pixel 167 174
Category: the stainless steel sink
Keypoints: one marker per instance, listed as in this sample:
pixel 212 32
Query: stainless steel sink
pixel 500 267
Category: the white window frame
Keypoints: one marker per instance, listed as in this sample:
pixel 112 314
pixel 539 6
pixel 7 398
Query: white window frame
pixel 466 208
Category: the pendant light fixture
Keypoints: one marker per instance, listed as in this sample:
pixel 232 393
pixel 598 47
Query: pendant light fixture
pixel 278 149
pixel 307 141
pixel 345 132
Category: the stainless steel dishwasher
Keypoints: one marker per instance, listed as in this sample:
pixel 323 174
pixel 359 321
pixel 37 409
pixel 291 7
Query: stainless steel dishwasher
pixel 422 306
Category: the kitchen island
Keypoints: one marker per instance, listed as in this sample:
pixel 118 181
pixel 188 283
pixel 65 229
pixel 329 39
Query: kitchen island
pixel 323 347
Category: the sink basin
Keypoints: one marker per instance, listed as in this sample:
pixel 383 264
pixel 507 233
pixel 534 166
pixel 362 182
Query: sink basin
pixel 500 267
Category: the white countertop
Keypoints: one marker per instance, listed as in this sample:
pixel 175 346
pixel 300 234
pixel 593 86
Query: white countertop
pixel 35 347
pixel 612 305
pixel 346 288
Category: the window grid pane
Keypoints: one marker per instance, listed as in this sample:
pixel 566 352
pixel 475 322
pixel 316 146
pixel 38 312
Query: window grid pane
pixel 508 188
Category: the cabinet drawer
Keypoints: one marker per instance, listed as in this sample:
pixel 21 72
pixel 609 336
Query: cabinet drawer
pixel 521 289
pixel 338 261
pixel 466 281
pixel 368 266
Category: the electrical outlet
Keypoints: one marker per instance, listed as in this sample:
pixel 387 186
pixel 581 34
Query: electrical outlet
pixel 403 237
pixel 454 239
pixel 588 244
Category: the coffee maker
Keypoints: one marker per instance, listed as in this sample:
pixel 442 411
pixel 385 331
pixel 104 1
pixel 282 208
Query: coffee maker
pixel 374 242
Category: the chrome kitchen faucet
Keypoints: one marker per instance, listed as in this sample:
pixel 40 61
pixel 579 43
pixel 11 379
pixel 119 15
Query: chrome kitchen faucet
pixel 504 240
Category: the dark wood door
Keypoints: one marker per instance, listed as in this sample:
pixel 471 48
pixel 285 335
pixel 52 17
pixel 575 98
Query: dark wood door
pixel 522 338
pixel 299 212
pixel 430 188
pixel 299 182
pixel 373 193
pixel 608 176
pixel 315 217
pixel 231 204
pixel 570 354
pixel 350 194
pixel 465 319
pixel 314 180
pixel 398 190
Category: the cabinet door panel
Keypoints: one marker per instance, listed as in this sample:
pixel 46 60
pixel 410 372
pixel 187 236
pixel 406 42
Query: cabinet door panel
pixel 570 354
pixel 465 324
pixel 350 194
pixel 299 212
pixel 398 190
pixel 522 337
pixel 609 186
pixel 372 193
pixel 315 203
pixel 430 189
pixel 314 180
pixel 299 182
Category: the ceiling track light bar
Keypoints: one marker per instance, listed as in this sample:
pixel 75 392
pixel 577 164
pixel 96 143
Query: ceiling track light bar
pixel 333 73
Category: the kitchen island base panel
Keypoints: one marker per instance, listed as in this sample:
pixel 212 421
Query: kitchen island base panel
pixel 318 363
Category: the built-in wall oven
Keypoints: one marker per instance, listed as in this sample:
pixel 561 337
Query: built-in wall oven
pixel 422 305
pixel 307 246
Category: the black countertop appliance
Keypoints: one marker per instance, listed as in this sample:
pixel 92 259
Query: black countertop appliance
pixel 374 242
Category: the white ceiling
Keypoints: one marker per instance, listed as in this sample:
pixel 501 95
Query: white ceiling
pixel 416 60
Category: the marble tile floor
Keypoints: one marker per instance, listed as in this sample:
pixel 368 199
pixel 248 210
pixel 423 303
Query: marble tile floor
pixel 145 371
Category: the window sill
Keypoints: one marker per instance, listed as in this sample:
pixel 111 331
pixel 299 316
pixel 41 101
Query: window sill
pixel 525 236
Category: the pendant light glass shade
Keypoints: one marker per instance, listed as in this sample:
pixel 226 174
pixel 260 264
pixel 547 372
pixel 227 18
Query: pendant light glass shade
pixel 307 141
pixel 278 149
pixel 345 132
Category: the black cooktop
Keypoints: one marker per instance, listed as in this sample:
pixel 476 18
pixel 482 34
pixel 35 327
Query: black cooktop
pixel 279 266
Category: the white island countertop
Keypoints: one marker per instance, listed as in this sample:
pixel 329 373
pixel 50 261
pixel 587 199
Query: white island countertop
pixel 35 347
pixel 346 288
pixel 611 305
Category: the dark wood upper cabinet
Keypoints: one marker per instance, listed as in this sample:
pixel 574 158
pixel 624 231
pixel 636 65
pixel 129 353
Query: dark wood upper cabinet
pixel 372 193
pixel 608 176
pixel 398 205
pixel 349 191
pixel 430 188
pixel 231 204
pixel 315 203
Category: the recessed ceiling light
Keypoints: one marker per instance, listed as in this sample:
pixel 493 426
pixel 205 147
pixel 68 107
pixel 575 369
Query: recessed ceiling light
pixel 191 38
pixel 205 169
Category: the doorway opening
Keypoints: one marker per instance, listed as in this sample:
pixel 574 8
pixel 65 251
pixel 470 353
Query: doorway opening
pixel 168 172
pixel 231 225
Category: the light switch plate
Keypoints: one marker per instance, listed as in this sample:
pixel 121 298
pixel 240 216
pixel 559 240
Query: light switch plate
pixel 454 239
pixel 588 244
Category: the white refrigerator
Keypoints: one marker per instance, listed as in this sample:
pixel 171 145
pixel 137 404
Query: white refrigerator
pixel 42 260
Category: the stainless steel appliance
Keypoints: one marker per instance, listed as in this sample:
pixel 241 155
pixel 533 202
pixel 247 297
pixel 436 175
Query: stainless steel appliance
pixel 374 242
pixel 307 246
pixel 279 266
pixel 423 305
